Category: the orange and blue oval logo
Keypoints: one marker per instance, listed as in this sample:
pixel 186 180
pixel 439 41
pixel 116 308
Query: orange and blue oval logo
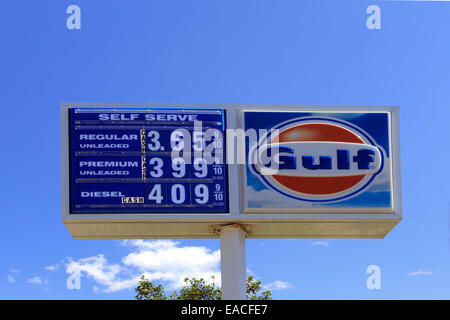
pixel 316 159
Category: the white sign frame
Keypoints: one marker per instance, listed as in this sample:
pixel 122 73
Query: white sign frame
pixel 342 224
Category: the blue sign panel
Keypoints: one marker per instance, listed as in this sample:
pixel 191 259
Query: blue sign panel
pixel 147 161
pixel 319 161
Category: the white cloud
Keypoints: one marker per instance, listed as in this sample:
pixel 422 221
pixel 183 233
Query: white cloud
pixel 11 279
pixel 250 272
pixel 319 243
pixel 52 267
pixel 166 261
pixel 421 272
pixel 278 285
pixel 98 269
pixel 161 261
pixel 37 280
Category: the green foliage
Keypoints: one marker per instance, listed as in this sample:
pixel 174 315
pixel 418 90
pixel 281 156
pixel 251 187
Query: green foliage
pixel 253 288
pixel 148 291
pixel 197 289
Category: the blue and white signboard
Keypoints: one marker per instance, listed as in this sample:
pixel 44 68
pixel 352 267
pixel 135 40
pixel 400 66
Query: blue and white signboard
pixel 319 161
pixel 152 160
pixel 186 171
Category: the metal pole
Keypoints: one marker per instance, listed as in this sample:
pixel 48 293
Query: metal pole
pixel 232 259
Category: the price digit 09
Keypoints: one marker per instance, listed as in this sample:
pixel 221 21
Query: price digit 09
pixel 201 194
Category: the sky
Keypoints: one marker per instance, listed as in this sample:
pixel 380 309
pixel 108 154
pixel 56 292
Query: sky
pixel 316 52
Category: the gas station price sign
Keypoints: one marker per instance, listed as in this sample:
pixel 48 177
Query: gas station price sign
pixel 147 161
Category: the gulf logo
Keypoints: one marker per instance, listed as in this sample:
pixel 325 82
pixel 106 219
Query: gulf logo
pixel 317 159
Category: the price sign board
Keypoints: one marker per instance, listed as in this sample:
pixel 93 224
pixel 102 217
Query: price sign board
pixel 153 160
pixel 185 171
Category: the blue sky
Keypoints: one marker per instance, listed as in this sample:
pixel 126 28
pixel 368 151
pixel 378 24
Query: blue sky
pixel 264 52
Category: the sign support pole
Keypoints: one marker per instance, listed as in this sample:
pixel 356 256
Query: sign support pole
pixel 232 259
